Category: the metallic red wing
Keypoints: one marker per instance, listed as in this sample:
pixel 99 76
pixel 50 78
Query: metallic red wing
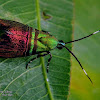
pixel 14 38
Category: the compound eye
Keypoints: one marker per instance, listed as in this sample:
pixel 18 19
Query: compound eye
pixel 61 41
pixel 59 46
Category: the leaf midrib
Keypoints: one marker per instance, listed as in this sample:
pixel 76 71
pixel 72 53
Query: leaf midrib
pixel 42 59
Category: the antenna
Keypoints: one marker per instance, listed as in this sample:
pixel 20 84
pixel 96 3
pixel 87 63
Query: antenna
pixel 79 64
pixel 83 37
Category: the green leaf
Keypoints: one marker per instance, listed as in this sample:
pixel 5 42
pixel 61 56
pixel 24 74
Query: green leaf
pixel 87 21
pixel 19 83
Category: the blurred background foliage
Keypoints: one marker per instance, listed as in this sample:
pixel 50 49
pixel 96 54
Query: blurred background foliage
pixel 86 21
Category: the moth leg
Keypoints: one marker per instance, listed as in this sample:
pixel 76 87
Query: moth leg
pixel 49 61
pixel 38 56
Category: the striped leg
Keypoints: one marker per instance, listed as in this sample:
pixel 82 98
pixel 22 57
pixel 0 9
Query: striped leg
pixel 38 56
pixel 49 61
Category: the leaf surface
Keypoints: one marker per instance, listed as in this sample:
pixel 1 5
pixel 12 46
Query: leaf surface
pixel 34 83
